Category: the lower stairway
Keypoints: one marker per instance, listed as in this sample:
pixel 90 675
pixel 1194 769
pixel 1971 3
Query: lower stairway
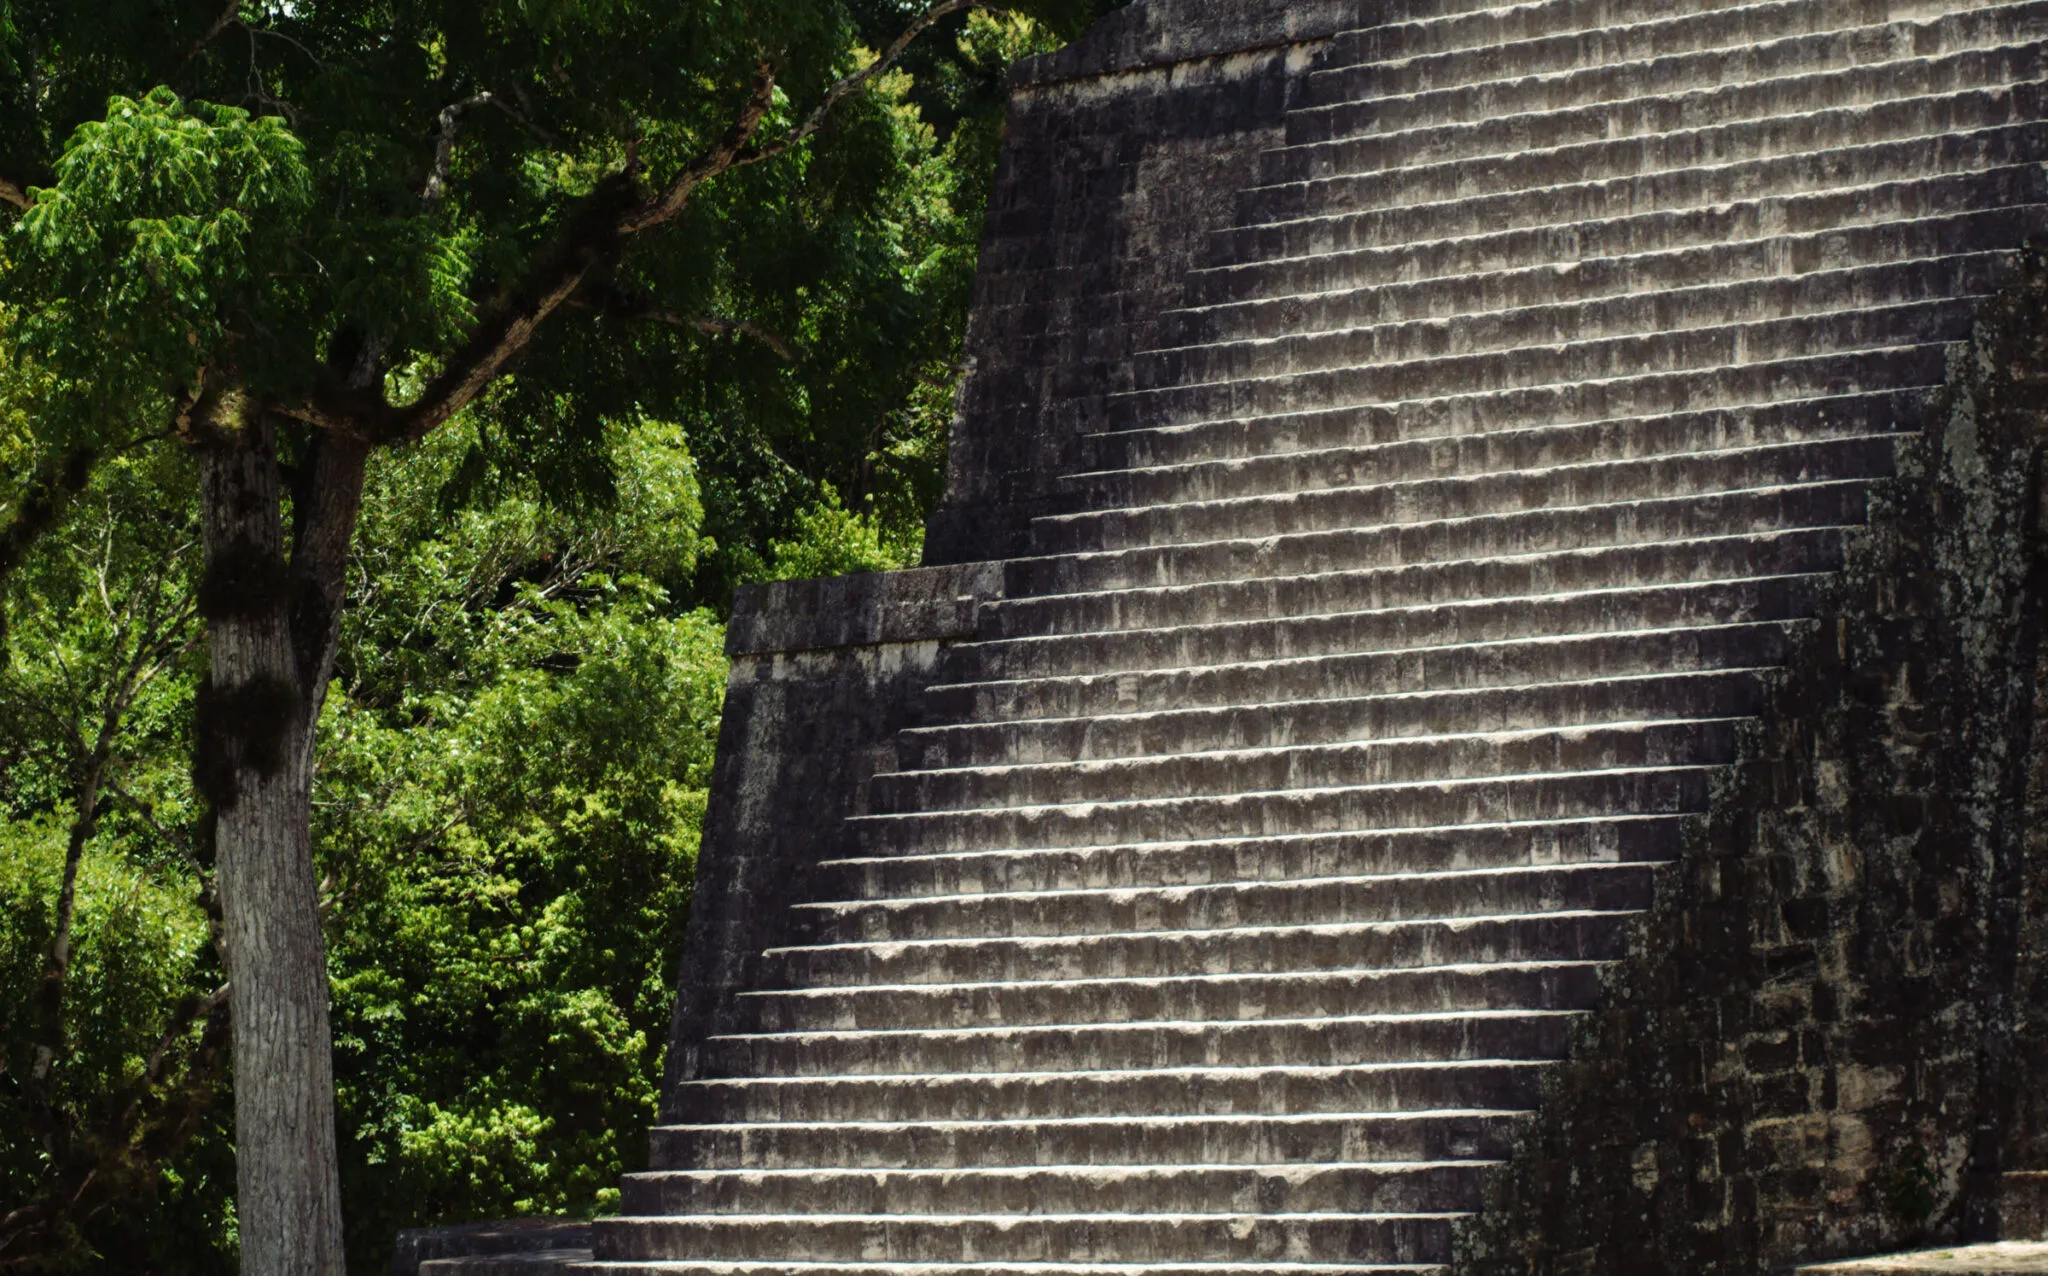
pixel 1265 846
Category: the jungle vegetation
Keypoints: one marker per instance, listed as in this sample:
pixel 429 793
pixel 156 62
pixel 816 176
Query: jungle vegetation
pixel 391 398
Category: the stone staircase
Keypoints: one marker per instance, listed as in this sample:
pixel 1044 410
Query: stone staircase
pixel 1270 837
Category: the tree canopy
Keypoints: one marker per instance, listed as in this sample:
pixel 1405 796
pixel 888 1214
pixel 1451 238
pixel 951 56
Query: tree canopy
pixel 271 199
pixel 390 398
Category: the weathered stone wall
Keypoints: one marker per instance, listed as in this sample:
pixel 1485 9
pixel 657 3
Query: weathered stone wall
pixel 1832 1037
pixel 824 674
pixel 1121 152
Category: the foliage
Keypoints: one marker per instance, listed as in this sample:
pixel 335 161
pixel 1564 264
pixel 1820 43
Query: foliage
pixel 154 244
pixel 832 540
pixel 249 202
pixel 95 691
pixel 143 945
pixel 516 755
pixel 510 809
pixel 264 208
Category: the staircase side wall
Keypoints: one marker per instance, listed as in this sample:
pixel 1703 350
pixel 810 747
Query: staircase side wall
pixel 1832 1036
pixel 824 674
pixel 1120 153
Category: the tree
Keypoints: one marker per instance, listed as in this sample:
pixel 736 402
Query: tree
pixel 113 1019
pixel 408 212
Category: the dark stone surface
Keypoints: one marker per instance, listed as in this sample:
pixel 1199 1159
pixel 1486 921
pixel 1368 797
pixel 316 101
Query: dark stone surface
pixel 1837 1004
pixel 1156 33
pixel 824 674
pixel 553 1240
pixel 850 611
pixel 1122 152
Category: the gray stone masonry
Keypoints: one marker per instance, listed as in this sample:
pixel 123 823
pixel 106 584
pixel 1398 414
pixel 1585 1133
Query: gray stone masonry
pixel 1961 1260
pixel 1479 652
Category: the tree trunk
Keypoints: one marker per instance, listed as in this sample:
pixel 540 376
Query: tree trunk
pixel 253 761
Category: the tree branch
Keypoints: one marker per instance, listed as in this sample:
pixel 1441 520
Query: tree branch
pixel 665 206
pixel 57 961
pixel 724 327
pixel 611 216
pixel 228 14
pixel 319 567
pixel 701 323
pixel 859 79
pixel 12 192
pixel 48 495
pixel 127 1153
pixel 444 144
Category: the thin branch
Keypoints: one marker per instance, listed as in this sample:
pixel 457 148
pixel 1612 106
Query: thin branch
pixel 611 216
pixel 665 206
pixel 225 19
pixel 444 144
pixel 859 79
pixel 725 327
pixel 12 192
pixel 701 323
pixel 147 812
pixel 181 1023
pixel 274 34
pixel 51 1045
pixel 258 91
pixel 521 115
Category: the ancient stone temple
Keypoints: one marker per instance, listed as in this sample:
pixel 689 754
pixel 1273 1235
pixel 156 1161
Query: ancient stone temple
pixel 1471 703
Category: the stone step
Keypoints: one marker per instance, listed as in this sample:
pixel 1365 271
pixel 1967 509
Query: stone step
pixel 1062 312
pixel 1514 663
pixel 1605 299
pixel 1542 985
pixel 1277 298
pixel 1038 741
pixel 1414 760
pixel 1490 1085
pixel 1556 36
pixel 1326 1042
pixel 1147 469
pixel 1582 218
pixel 1492 800
pixel 1760 238
pixel 1988 1258
pixel 1556 936
pixel 1708 558
pixel 1199 519
pixel 1388 99
pixel 1393 547
pixel 1367 545
pixel 1320 255
pixel 1055 1238
pixel 1586 613
pixel 1724 399
pixel 1912 367
pixel 557 1261
pixel 1690 356
pixel 1290 349
pixel 789 1267
pixel 1391 1187
pixel 1067 1140
pixel 1497 271
pixel 1415 896
pixel 1283 858
pixel 1660 112
pixel 1397 180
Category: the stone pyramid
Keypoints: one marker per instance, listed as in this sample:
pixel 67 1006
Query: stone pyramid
pixel 1403 438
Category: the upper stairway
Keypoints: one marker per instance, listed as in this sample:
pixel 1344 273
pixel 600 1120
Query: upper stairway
pixel 1270 838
